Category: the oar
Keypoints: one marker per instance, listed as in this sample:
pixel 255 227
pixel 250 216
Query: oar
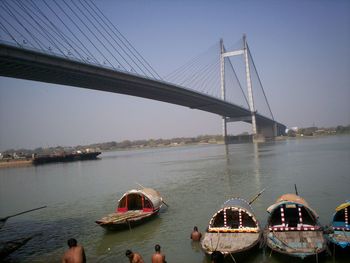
pixel 3 220
pixel 256 197
pixel 165 203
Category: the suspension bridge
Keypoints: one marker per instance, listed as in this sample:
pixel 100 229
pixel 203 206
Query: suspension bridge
pixel 73 43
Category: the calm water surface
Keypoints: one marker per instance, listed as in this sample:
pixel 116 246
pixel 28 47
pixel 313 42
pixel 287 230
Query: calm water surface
pixel 195 181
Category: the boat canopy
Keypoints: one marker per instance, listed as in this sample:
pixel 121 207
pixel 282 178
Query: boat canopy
pixel 146 199
pixel 236 215
pixel 341 217
pixel 291 212
pixel 343 206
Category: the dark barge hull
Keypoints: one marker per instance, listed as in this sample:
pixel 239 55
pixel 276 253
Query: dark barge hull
pixel 65 157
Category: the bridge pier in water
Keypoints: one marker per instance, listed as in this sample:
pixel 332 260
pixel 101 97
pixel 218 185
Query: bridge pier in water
pixel 265 131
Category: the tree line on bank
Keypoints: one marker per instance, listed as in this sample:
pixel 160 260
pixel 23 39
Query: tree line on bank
pixel 314 131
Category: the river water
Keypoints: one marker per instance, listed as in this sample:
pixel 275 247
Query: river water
pixel 193 180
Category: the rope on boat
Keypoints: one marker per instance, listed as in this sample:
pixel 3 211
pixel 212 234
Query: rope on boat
pixel 217 244
pixel 233 258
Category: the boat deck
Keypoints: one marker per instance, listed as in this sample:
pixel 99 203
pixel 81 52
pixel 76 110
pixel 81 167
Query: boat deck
pixel 297 242
pixel 229 242
pixel 116 218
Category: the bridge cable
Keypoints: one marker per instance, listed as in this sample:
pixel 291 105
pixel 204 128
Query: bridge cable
pixel 239 83
pixel 8 32
pixel 96 7
pixel 206 75
pixel 202 74
pixel 59 32
pixel 88 53
pixel 81 31
pixel 256 72
pixel 103 27
pixel 8 11
pixel 88 28
pixel 214 81
pixel 104 38
pixel 48 37
pixel 208 81
pixel 179 72
pixel 197 70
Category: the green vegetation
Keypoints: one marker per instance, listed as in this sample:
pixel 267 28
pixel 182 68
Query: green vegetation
pixel 315 131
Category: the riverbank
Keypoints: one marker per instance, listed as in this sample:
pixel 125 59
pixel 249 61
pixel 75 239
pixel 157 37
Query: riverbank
pixel 15 163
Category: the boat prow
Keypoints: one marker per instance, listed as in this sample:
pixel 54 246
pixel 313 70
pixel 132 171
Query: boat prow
pixel 232 229
pixel 293 228
pixel 134 208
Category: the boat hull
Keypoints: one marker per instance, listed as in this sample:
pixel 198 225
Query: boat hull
pixel 229 243
pixel 299 244
pixel 340 238
pixel 11 246
pixel 69 157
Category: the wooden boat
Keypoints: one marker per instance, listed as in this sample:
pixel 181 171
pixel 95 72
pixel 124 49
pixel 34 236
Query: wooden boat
pixel 339 231
pixel 293 228
pixel 232 229
pixel 134 208
pixel 11 246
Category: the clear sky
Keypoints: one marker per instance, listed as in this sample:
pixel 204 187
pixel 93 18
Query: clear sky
pixel 301 50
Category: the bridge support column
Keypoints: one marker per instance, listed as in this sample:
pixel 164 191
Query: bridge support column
pixel 249 86
pixel 265 133
pixel 222 84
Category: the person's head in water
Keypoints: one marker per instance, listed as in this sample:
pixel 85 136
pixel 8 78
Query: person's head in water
pixel 157 248
pixel 72 242
pixel 195 228
pixel 128 253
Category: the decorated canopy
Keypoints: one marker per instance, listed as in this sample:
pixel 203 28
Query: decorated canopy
pixel 236 215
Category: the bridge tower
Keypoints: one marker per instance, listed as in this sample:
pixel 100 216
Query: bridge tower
pixel 245 53
pixel 222 84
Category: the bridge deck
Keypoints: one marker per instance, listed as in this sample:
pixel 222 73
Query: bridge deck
pixel 34 65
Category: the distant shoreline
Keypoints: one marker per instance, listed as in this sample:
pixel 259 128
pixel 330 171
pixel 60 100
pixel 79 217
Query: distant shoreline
pixel 15 163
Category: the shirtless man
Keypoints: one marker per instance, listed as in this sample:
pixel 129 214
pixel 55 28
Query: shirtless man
pixel 158 257
pixel 134 257
pixel 196 235
pixel 75 253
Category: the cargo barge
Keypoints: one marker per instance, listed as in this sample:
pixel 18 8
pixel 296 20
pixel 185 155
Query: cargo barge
pixel 65 157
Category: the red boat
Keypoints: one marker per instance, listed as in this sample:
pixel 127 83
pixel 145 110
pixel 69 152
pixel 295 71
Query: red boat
pixel 134 208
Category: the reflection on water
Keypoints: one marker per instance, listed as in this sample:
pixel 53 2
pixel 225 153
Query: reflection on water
pixel 194 181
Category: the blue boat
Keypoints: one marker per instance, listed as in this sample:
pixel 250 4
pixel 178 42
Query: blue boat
pixel 339 232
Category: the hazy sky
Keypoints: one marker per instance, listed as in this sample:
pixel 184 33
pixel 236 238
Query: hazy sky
pixel 301 50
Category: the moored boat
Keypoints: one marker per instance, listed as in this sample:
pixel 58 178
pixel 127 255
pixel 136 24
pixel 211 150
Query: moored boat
pixel 65 157
pixel 339 231
pixel 293 228
pixel 232 229
pixel 11 246
pixel 134 207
